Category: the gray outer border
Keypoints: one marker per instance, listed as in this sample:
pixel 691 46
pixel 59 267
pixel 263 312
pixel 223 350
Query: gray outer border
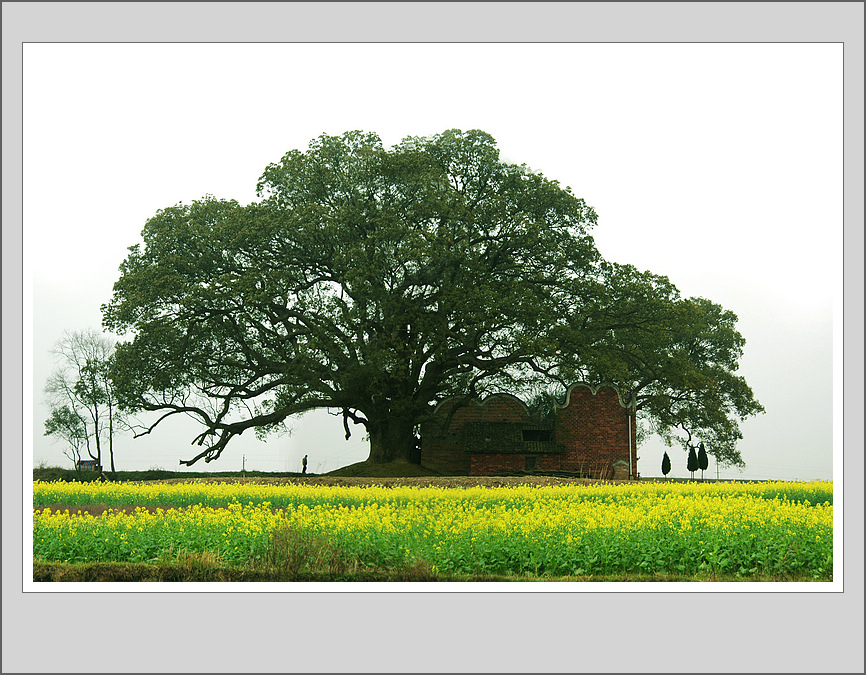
pixel 143 632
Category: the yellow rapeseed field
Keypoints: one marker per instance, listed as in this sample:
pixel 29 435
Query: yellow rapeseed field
pixel 649 528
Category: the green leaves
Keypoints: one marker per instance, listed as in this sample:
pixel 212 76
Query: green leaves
pixel 68 425
pixel 677 355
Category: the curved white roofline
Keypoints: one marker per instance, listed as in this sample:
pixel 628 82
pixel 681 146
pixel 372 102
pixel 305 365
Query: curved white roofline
pixel 594 390
pixel 481 402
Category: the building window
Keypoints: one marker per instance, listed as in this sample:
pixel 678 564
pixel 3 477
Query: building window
pixel 537 435
pixel 530 462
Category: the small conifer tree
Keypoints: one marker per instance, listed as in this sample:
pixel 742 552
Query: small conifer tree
pixel 692 464
pixel 703 460
pixel 666 465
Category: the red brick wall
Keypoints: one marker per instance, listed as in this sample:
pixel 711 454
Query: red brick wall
pixel 594 427
pixel 441 448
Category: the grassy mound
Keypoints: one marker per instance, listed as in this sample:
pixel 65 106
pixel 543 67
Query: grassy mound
pixel 390 470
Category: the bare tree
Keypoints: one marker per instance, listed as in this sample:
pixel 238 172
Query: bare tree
pixel 81 395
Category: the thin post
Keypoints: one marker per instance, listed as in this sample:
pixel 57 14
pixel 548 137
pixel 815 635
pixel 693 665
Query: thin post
pixel 631 410
pixel 628 420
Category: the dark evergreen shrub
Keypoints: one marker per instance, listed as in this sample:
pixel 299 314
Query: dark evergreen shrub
pixel 666 465
pixel 692 464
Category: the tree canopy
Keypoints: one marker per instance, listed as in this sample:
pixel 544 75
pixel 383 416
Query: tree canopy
pixel 376 282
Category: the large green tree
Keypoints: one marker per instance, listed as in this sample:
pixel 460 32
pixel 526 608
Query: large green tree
pixel 375 282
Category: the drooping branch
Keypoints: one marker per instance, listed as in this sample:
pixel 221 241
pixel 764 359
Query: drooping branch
pixel 227 431
pixel 212 452
pixel 349 415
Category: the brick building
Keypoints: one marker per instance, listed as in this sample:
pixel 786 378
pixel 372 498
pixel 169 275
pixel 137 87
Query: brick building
pixel 592 433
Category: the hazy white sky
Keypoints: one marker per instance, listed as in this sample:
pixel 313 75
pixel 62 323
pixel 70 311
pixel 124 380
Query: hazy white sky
pixel 718 165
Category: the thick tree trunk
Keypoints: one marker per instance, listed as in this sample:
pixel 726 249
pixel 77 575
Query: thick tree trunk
pixel 391 440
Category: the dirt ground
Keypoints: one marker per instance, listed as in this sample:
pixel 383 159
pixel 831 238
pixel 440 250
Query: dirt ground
pixel 392 475
pixel 418 481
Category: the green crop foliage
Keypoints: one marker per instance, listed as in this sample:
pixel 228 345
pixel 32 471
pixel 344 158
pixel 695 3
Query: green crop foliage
pixel 740 530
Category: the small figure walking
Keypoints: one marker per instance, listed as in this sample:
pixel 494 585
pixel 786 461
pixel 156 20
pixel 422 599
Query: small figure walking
pixel 304 464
